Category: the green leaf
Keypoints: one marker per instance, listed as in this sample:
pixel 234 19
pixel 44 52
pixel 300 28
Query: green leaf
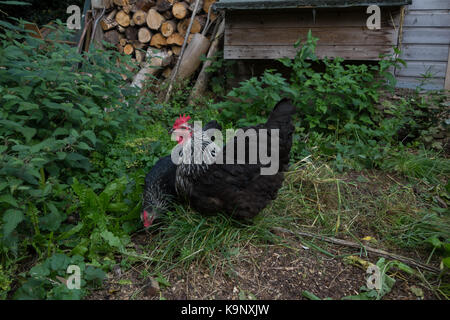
pixel 446 262
pixel 59 261
pixel 9 199
pixel 93 273
pixel 111 239
pixel 11 219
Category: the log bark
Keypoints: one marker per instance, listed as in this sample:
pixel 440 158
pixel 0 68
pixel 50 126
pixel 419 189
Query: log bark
pixel 112 37
pixel 131 33
pixel 140 55
pixel 168 28
pixel 144 5
pixel 176 38
pixel 180 10
pixel 156 60
pixel 154 19
pixel 163 5
pixel 202 81
pixel 140 17
pixel 176 50
pixel 197 25
pixel 127 9
pixel 121 2
pixel 207 4
pixel 144 35
pixel 167 72
pixel 108 22
pixel 168 15
pixel 158 41
pixel 123 42
pixel 123 18
pixel 192 5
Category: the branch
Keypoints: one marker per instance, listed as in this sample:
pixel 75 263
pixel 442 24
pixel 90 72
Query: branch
pixel 346 243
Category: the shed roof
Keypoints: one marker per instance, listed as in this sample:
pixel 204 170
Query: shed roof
pixel 290 4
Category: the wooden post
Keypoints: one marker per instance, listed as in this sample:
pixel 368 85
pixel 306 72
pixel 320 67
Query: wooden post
pixel 447 75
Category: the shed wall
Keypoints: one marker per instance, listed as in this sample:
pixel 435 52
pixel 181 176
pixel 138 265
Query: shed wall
pixel 425 44
pixel 271 34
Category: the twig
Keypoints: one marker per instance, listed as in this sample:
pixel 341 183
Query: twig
pixel 346 243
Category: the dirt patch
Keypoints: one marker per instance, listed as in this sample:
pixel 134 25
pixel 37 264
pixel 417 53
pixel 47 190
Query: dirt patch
pixel 263 272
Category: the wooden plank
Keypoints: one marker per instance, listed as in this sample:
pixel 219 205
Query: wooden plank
pixel 290 4
pixel 417 69
pixel 327 36
pixel 424 52
pixel 414 82
pixel 275 52
pixel 304 18
pixel 426 35
pixel 427 20
pixel 447 76
pixel 429 4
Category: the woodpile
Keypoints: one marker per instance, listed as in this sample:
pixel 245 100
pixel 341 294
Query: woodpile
pixel 136 27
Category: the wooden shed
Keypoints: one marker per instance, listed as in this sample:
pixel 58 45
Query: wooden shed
pixel 268 29
pixel 425 43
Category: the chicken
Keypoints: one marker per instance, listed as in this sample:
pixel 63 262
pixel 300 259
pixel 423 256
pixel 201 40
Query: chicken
pixel 239 179
pixel 159 186
pixel 238 189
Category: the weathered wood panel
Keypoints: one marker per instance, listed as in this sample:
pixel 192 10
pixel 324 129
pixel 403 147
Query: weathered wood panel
pixel 269 52
pixel 327 36
pixel 415 68
pixel 422 52
pixel 271 34
pixel 288 19
pixel 447 76
pixel 427 20
pixel 429 4
pixel 413 82
pixel 426 35
pixel 425 43
pixel 292 4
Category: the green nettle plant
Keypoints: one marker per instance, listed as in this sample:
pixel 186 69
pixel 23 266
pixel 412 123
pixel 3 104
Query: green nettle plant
pixel 57 106
pixel 336 106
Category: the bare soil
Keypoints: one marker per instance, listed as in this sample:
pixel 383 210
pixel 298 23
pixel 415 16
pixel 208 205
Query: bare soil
pixel 263 273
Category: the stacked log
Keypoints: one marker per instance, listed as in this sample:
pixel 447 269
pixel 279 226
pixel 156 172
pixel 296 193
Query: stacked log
pixel 136 26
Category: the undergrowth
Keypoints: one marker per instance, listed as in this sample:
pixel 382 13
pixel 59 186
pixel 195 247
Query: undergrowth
pixel 76 143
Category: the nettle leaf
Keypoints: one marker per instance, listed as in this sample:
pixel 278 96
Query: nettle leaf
pixel 27 106
pixel 11 219
pixel 40 270
pixel 59 261
pixel 90 135
pixel 111 239
pixel 9 199
pixel 84 146
pixel 94 274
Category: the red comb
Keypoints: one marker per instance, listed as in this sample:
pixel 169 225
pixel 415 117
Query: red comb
pixel 181 120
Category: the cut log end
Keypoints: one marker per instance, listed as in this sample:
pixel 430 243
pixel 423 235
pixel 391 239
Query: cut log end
pixel 154 19
pixel 144 35
pixel 123 18
pixel 180 10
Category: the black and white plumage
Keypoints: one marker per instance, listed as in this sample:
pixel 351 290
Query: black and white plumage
pixel 159 190
pixel 160 186
pixel 239 190
pixel 236 189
